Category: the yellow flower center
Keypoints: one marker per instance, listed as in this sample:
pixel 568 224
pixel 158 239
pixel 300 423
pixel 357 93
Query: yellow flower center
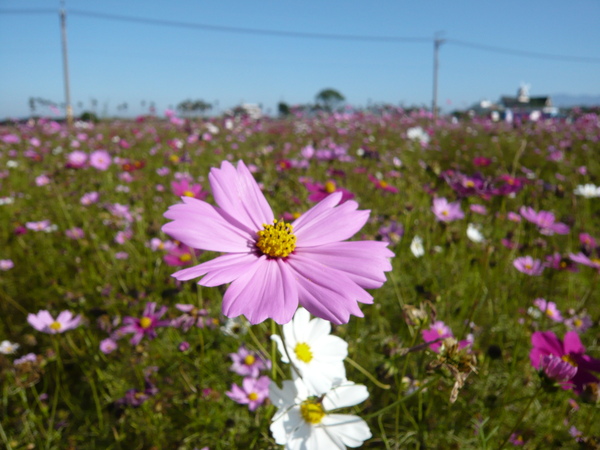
pixel 578 322
pixel 277 240
pixel 469 184
pixel 252 396
pixel 174 158
pixel 445 213
pixel 383 184
pixel 528 266
pixel 312 412
pixel 188 193
pixel 55 326
pixel 330 187
pixel 249 360
pixel 303 352
pixel 595 260
pixel 145 322
pixel 569 359
pixel 185 257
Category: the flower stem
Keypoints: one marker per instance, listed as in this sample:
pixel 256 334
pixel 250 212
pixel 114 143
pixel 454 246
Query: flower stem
pixel 521 417
pixel 366 373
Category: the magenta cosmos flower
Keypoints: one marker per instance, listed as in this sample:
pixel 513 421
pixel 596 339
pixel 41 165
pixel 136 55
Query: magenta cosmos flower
pixel 44 322
pixel 144 326
pixel 253 392
pixel 272 265
pixel 570 350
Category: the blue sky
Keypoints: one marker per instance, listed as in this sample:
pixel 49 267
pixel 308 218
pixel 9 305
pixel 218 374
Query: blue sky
pixel 117 61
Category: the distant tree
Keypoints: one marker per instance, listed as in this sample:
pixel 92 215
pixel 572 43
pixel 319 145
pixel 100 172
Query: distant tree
pixel 283 109
pixel 32 106
pixel 193 107
pixel 329 99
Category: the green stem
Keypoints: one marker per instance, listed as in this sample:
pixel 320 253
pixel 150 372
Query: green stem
pixel 401 400
pixel 366 373
pixel 520 419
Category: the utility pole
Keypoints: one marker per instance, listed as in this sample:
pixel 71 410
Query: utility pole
pixel 436 47
pixel 63 30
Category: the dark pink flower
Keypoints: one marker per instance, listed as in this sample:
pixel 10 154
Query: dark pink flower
pixel 570 350
pixel 319 191
pixel 383 185
pixel 144 326
pixel 184 188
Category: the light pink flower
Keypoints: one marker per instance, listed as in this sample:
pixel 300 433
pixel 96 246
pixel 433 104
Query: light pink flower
pixel 274 266
pixel 545 220
pixel 528 265
pixel 548 308
pixel 6 264
pixel 100 159
pixel 89 198
pixel 108 346
pixel 445 211
pixel 144 326
pixel 253 392
pixel 44 322
pixel 247 363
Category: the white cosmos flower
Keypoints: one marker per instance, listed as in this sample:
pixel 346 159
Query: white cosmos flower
pixel 303 422
pixel 317 355
pixel 587 190
pixel 416 247
pixel 8 348
pixel 474 233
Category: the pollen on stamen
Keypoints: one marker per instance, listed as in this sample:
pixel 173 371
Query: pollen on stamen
pixel 277 240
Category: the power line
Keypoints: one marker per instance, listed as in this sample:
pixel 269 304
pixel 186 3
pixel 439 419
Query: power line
pixel 28 11
pixel 227 29
pixel 525 53
pixel 306 35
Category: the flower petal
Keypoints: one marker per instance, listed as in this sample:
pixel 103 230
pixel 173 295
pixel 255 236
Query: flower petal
pixel 265 290
pixel 237 193
pixel 221 270
pixel 351 430
pixel 364 262
pixel 347 394
pixel 200 225
pixel 325 222
pixel 326 292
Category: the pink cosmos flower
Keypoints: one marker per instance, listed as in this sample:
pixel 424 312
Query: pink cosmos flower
pixel 545 220
pixel 42 225
pixel 100 159
pixel 581 258
pixel 89 198
pixel 478 209
pixel 548 308
pixel 108 346
pixel 557 369
pixel 180 256
pixel 247 363
pixel 528 265
pixel 438 331
pixel 446 212
pixel 514 217
pixel 75 233
pixel 383 185
pixel 76 159
pixel 6 264
pixel 587 241
pixel 273 266
pixel 191 316
pixel 42 180
pixel 319 191
pixel 44 322
pixel 144 326
pixel 185 188
pixel 570 350
pixel 253 392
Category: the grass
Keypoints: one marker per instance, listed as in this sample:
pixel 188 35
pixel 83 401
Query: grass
pixel 69 397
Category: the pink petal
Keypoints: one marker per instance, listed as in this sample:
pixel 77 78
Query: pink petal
pixel 326 292
pixel 200 225
pixel 364 262
pixel 266 290
pixel 572 343
pixel 325 222
pixel 238 195
pixel 221 270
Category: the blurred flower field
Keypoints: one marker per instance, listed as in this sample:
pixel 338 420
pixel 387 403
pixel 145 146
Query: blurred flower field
pixel 340 280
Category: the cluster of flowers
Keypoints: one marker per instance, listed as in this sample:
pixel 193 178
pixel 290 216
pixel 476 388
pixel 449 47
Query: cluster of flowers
pixel 307 405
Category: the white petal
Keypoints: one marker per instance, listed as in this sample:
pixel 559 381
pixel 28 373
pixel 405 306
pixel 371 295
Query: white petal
pixel 347 394
pixel 351 430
